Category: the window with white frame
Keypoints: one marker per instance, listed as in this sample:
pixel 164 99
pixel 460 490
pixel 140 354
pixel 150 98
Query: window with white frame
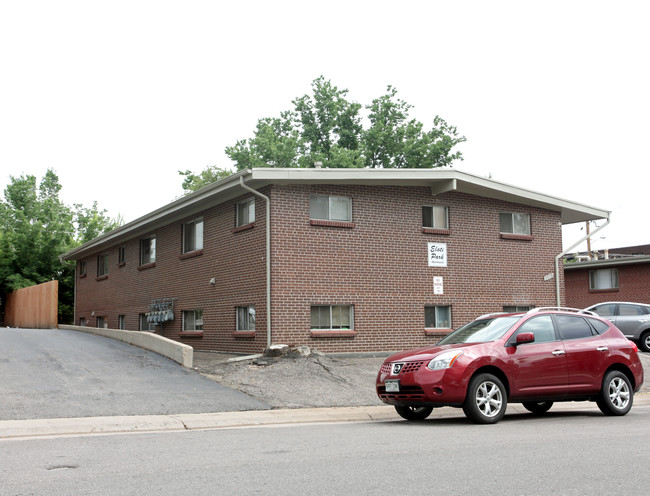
pixel 246 318
pixel 332 317
pixel 435 217
pixel 193 236
pixel 102 323
pixel 121 322
pixel 102 265
pixel 245 212
pixel 603 279
pixel 338 208
pixel 437 317
pixel 145 325
pixel 514 223
pixel 192 320
pixel 148 250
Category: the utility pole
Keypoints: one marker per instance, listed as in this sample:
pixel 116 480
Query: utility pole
pixel 588 240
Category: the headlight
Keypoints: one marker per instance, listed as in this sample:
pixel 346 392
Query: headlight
pixel 444 360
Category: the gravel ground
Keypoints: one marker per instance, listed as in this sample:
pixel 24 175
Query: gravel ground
pixel 314 381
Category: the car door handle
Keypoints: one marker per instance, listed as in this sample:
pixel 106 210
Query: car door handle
pixel 558 352
pixel 602 348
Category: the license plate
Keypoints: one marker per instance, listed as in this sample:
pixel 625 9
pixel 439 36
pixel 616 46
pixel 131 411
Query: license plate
pixel 392 386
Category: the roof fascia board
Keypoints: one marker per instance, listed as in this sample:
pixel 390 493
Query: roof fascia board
pixel 607 262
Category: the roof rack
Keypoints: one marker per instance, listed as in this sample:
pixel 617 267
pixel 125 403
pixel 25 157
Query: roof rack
pixel 560 309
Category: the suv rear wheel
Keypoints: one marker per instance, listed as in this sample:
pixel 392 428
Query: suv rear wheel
pixel 537 407
pixel 616 395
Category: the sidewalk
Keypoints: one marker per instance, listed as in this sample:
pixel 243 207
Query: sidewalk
pixel 14 429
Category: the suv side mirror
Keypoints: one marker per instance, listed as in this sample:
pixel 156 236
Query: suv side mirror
pixel 525 337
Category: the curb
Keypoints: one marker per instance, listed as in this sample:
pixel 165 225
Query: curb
pixel 15 429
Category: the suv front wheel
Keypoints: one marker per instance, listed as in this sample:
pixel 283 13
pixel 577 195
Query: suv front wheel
pixel 616 395
pixel 486 399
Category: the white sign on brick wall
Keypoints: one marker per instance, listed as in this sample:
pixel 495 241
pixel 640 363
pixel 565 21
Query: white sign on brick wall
pixel 437 255
pixel 438 286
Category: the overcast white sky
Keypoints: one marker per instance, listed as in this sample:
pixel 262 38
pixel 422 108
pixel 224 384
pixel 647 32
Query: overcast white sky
pixel 118 96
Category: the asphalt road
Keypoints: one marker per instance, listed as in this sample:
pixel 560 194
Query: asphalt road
pixel 58 373
pixel 570 452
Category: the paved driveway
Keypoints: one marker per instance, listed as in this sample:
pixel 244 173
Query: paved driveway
pixel 58 373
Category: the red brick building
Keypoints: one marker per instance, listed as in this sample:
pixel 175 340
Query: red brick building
pixel 355 259
pixel 623 274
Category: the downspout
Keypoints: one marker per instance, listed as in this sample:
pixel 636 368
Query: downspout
pixel 268 256
pixel 558 257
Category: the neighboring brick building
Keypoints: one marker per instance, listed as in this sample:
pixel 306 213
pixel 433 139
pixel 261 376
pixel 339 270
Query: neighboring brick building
pixel 624 275
pixel 360 259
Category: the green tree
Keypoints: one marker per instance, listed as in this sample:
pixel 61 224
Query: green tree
pixel 36 228
pixel 194 182
pixel 326 127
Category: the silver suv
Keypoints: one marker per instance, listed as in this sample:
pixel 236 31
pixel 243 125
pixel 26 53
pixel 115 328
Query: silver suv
pixel 633 319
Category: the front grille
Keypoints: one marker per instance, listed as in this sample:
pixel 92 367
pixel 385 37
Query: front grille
pixel 407 393
pixel 387 368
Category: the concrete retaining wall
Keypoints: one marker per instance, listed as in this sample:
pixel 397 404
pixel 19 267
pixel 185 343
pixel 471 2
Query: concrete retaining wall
pixel 178 352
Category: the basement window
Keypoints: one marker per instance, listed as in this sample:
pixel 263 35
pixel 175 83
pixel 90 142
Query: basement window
pixel 192 320
pixel 437 317
pixel 332 317
pixel 246 318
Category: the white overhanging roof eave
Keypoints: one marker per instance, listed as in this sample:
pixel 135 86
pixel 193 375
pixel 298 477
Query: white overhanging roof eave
pixel 438 180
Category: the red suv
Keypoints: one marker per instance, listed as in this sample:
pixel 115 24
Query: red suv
pixel 536 358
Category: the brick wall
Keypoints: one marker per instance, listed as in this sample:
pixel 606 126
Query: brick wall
pixel 377 264
pixel 633 281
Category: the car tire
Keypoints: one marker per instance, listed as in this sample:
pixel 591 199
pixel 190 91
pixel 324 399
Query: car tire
pixel 486 399
pixel 644 342
pixel 414 412
pixel 616 395
pixel 537 407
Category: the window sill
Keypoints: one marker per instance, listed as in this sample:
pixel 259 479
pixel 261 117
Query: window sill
pixel 81 276
pixel 147 266
pixel 609 290
pixel 190 334
pixel 516 237
pixel 243 334
pixel 101 278
pixel 317 333
pixel 431 230
pixel 332 223
pixel 190 254
pixel 245 227
pixel 437 332
pixel 121 264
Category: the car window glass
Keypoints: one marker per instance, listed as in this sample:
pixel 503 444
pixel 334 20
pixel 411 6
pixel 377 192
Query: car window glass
pixel 573 327
pixel 541 327
pixel 630 310
pixel 480 331
pixel 606 310
pixel 600 326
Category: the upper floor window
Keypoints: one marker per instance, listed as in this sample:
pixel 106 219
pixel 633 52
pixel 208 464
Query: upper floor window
pixel 435 217
pixel 246 318
pixel 121 255
pixel 102 265
pixel 515 223
pixel 193 320
pixel 193 236
pixel 337 208
pixel 603 279
pixel 82 268
pixel 245 212
pixel 438 317
pixel 332 317
pixel 148 250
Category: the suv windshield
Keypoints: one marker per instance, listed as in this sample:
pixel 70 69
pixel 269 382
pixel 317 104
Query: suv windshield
pixel 481 331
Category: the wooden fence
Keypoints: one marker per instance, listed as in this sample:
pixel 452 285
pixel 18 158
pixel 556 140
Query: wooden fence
pixel 35 307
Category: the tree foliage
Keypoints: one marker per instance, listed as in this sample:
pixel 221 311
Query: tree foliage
pixel 326 127
pixel 36 228
pixel 194 182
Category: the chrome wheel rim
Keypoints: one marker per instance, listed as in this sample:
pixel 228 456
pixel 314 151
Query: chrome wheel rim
pixel 619 393
pixel 646 340
pixel 489 399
